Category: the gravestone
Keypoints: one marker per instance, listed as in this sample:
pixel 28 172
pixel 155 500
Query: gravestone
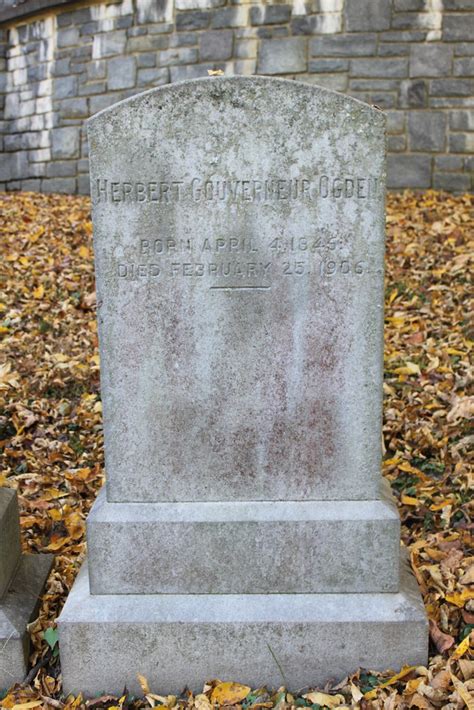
pixel 22 578
pixel 243 532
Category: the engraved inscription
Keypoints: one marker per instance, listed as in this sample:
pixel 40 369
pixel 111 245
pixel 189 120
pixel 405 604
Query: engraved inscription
pixel 239 263
pixel 259 190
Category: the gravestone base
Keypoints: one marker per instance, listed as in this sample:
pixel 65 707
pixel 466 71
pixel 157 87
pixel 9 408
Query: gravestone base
pixel 244 547
pixel 296 640
pixel 17 608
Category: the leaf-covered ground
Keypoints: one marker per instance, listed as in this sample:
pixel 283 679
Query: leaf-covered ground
pixel 51 438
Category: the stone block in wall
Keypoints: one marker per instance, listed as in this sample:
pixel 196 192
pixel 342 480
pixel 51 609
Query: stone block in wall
pixel 198 4
pixel 97 69
pixel 39 156
pixel 452 87
pixel 282 56
pixel 67 37
pixel 145 61
pixel 73 108
pixel 61 168
pixel 12 106
pixel 111 43
pixel 413 93
pixel 270 14
pixel 458 27
pixel 453 182
pixel 246 48
pixel 335 82
pixel 363 15
pixel 393 49
pixel 334 64
pixel 448 163
pixel 61 67
pixel 65 142
pixel 83 184
pixel 409 5
pixel 374 84
pixel 395 122
pixel 183 39
pixel 197 20
pixel 379 67
pixel 430 60
pixel 215 45
pixel 462 120
pixel 193 71
pixel 153 76
pixel 408 171
pixel 66 185
pixel 65 87
pixel 404 36
pixel 14 166
pixel 182 55
pixel 464 49
pixel 396 144
pixel 245 67
pixel 230 17
pixel 31 185
pixel 464 67
pixel 427 130
pixel 76 17
pixel 272 32
pixel 461 143
pixel 101 101
pixel 147 43
pixel 92 88
pixel 121 73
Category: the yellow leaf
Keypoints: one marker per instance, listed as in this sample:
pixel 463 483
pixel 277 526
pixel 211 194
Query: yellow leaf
pixel 390 462
pixel 31 704
pixel 408 500
pixel 398 676
pixel 3 329
pixel 460 598
pixel 83 252
pixel 143 684
pixel 34 237
pixel 412 685
pixel 410 368
pixel 229 693
pixel 330 701
pixel 463 692
pixel 38 292
pixel 461 649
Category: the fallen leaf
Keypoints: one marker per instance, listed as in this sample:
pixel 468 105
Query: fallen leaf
pixel 229 693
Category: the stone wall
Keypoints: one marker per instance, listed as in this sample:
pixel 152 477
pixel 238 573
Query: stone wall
pixel 412 58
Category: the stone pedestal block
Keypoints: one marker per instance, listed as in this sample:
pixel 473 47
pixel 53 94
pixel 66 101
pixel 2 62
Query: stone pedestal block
pixel 9 537
pixel 297 640
pixel 22 580
pixel 243 547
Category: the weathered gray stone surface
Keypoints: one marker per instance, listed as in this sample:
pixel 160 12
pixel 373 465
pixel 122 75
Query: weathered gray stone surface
pixel 243 547
pixel 178 639
pixel 18 607
pixel 240 290
pixel 22 578
pixel 9 537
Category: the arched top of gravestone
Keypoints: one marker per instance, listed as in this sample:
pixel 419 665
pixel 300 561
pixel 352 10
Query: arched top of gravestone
pixel 325 108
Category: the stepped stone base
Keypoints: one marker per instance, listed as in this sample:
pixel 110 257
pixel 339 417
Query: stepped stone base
pixel 17 608
pixel 274 639
pixel 243 547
